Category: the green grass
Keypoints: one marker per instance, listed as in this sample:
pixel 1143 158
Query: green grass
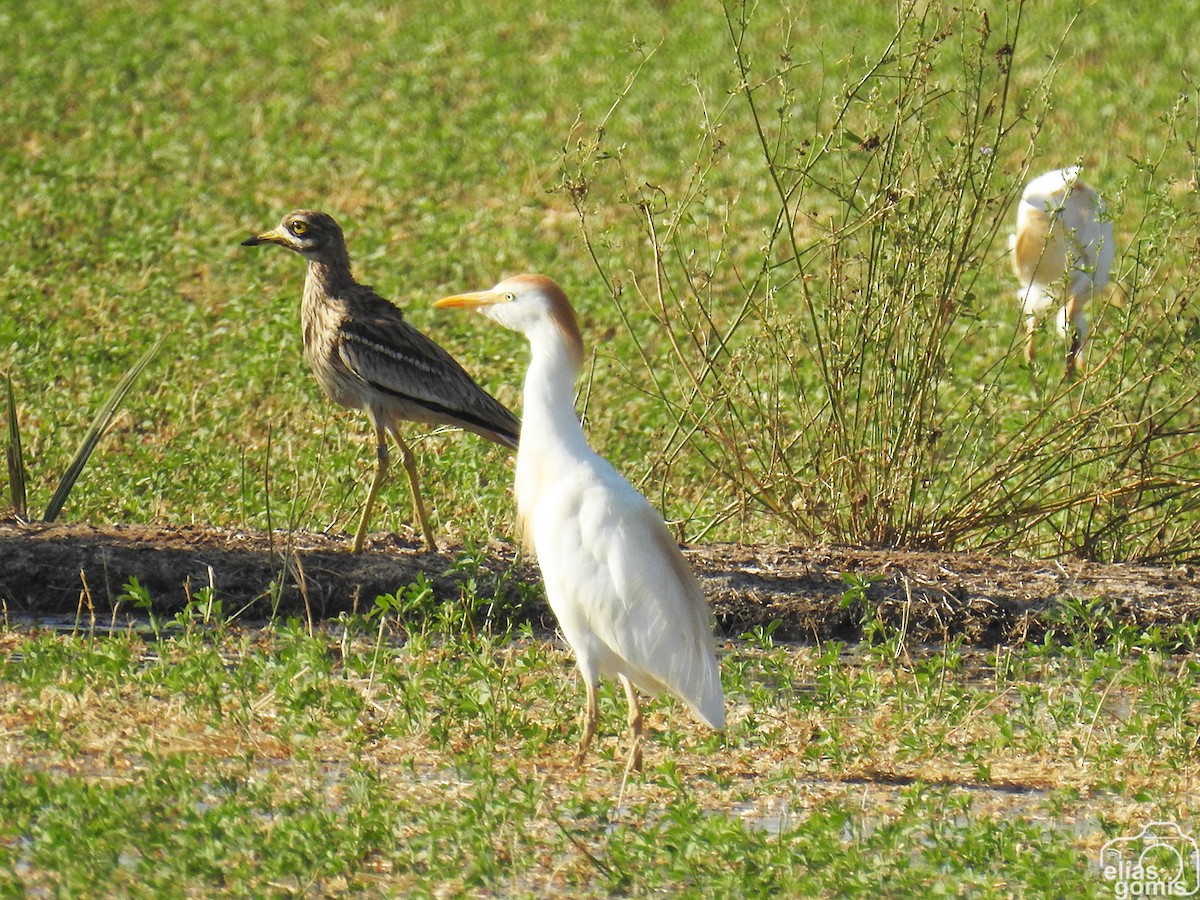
pixel 280 761
pixel 785 233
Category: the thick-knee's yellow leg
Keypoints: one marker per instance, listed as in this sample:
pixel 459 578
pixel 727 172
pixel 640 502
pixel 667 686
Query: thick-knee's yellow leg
pixel 381 467
pixel 410 466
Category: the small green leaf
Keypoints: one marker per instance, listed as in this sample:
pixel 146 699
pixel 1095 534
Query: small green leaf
pixel 99 425
pixel 14 455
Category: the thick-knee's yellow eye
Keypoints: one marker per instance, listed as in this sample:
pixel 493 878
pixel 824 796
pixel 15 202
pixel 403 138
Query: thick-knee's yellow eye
pixel 298 228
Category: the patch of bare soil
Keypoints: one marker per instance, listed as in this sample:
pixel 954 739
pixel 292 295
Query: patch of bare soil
pixel 58 569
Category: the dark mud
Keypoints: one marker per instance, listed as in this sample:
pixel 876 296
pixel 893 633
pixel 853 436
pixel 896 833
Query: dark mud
pixel 61 569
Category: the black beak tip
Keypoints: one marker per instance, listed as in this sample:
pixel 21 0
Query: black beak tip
pixel 252 241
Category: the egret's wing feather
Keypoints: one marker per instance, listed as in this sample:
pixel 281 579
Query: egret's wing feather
pixel 1034 255
pixel 624 593
pixel 1095 253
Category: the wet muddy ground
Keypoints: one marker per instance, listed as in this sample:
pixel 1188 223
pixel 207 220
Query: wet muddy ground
pixel 60 569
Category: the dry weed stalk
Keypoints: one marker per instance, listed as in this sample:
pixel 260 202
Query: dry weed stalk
pixel 836 370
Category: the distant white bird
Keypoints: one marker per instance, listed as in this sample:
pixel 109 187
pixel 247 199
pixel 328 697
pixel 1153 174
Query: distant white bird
pixel 627 601
pixel 1062 252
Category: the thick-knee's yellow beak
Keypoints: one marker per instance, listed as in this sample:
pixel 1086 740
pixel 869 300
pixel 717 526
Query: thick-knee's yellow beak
pixel 274 236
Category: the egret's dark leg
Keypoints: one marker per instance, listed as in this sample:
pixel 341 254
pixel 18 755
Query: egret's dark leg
pixel 591 713
pixel 634 763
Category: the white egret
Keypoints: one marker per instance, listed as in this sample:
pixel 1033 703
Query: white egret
pixel 627 601
pixel 1062 252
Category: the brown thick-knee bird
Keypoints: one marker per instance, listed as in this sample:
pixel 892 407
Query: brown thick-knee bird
pixel 365 356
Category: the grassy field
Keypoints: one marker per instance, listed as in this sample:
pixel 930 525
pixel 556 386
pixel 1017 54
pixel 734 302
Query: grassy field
pixel 194 757
pixel 785 231
pixel 786 234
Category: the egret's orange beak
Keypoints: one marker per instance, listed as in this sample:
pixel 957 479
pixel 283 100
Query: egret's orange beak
pixel 470 301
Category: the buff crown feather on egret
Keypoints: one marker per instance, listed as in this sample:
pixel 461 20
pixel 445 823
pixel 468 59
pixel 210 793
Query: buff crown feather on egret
pixel 1062 252
pixel 625 598
pixel 366 356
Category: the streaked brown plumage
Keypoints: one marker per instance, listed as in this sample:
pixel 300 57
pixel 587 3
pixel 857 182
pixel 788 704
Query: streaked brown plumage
pixel 365 356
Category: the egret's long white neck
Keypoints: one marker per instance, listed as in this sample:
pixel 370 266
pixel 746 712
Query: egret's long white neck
pixel 551 436
pixel 549 397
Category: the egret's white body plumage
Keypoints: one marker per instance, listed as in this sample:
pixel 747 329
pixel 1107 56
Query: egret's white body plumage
pixel 1062 252
pixel 627 601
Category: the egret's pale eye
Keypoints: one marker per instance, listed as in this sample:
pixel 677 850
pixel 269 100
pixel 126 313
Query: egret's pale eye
pixel 510 296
